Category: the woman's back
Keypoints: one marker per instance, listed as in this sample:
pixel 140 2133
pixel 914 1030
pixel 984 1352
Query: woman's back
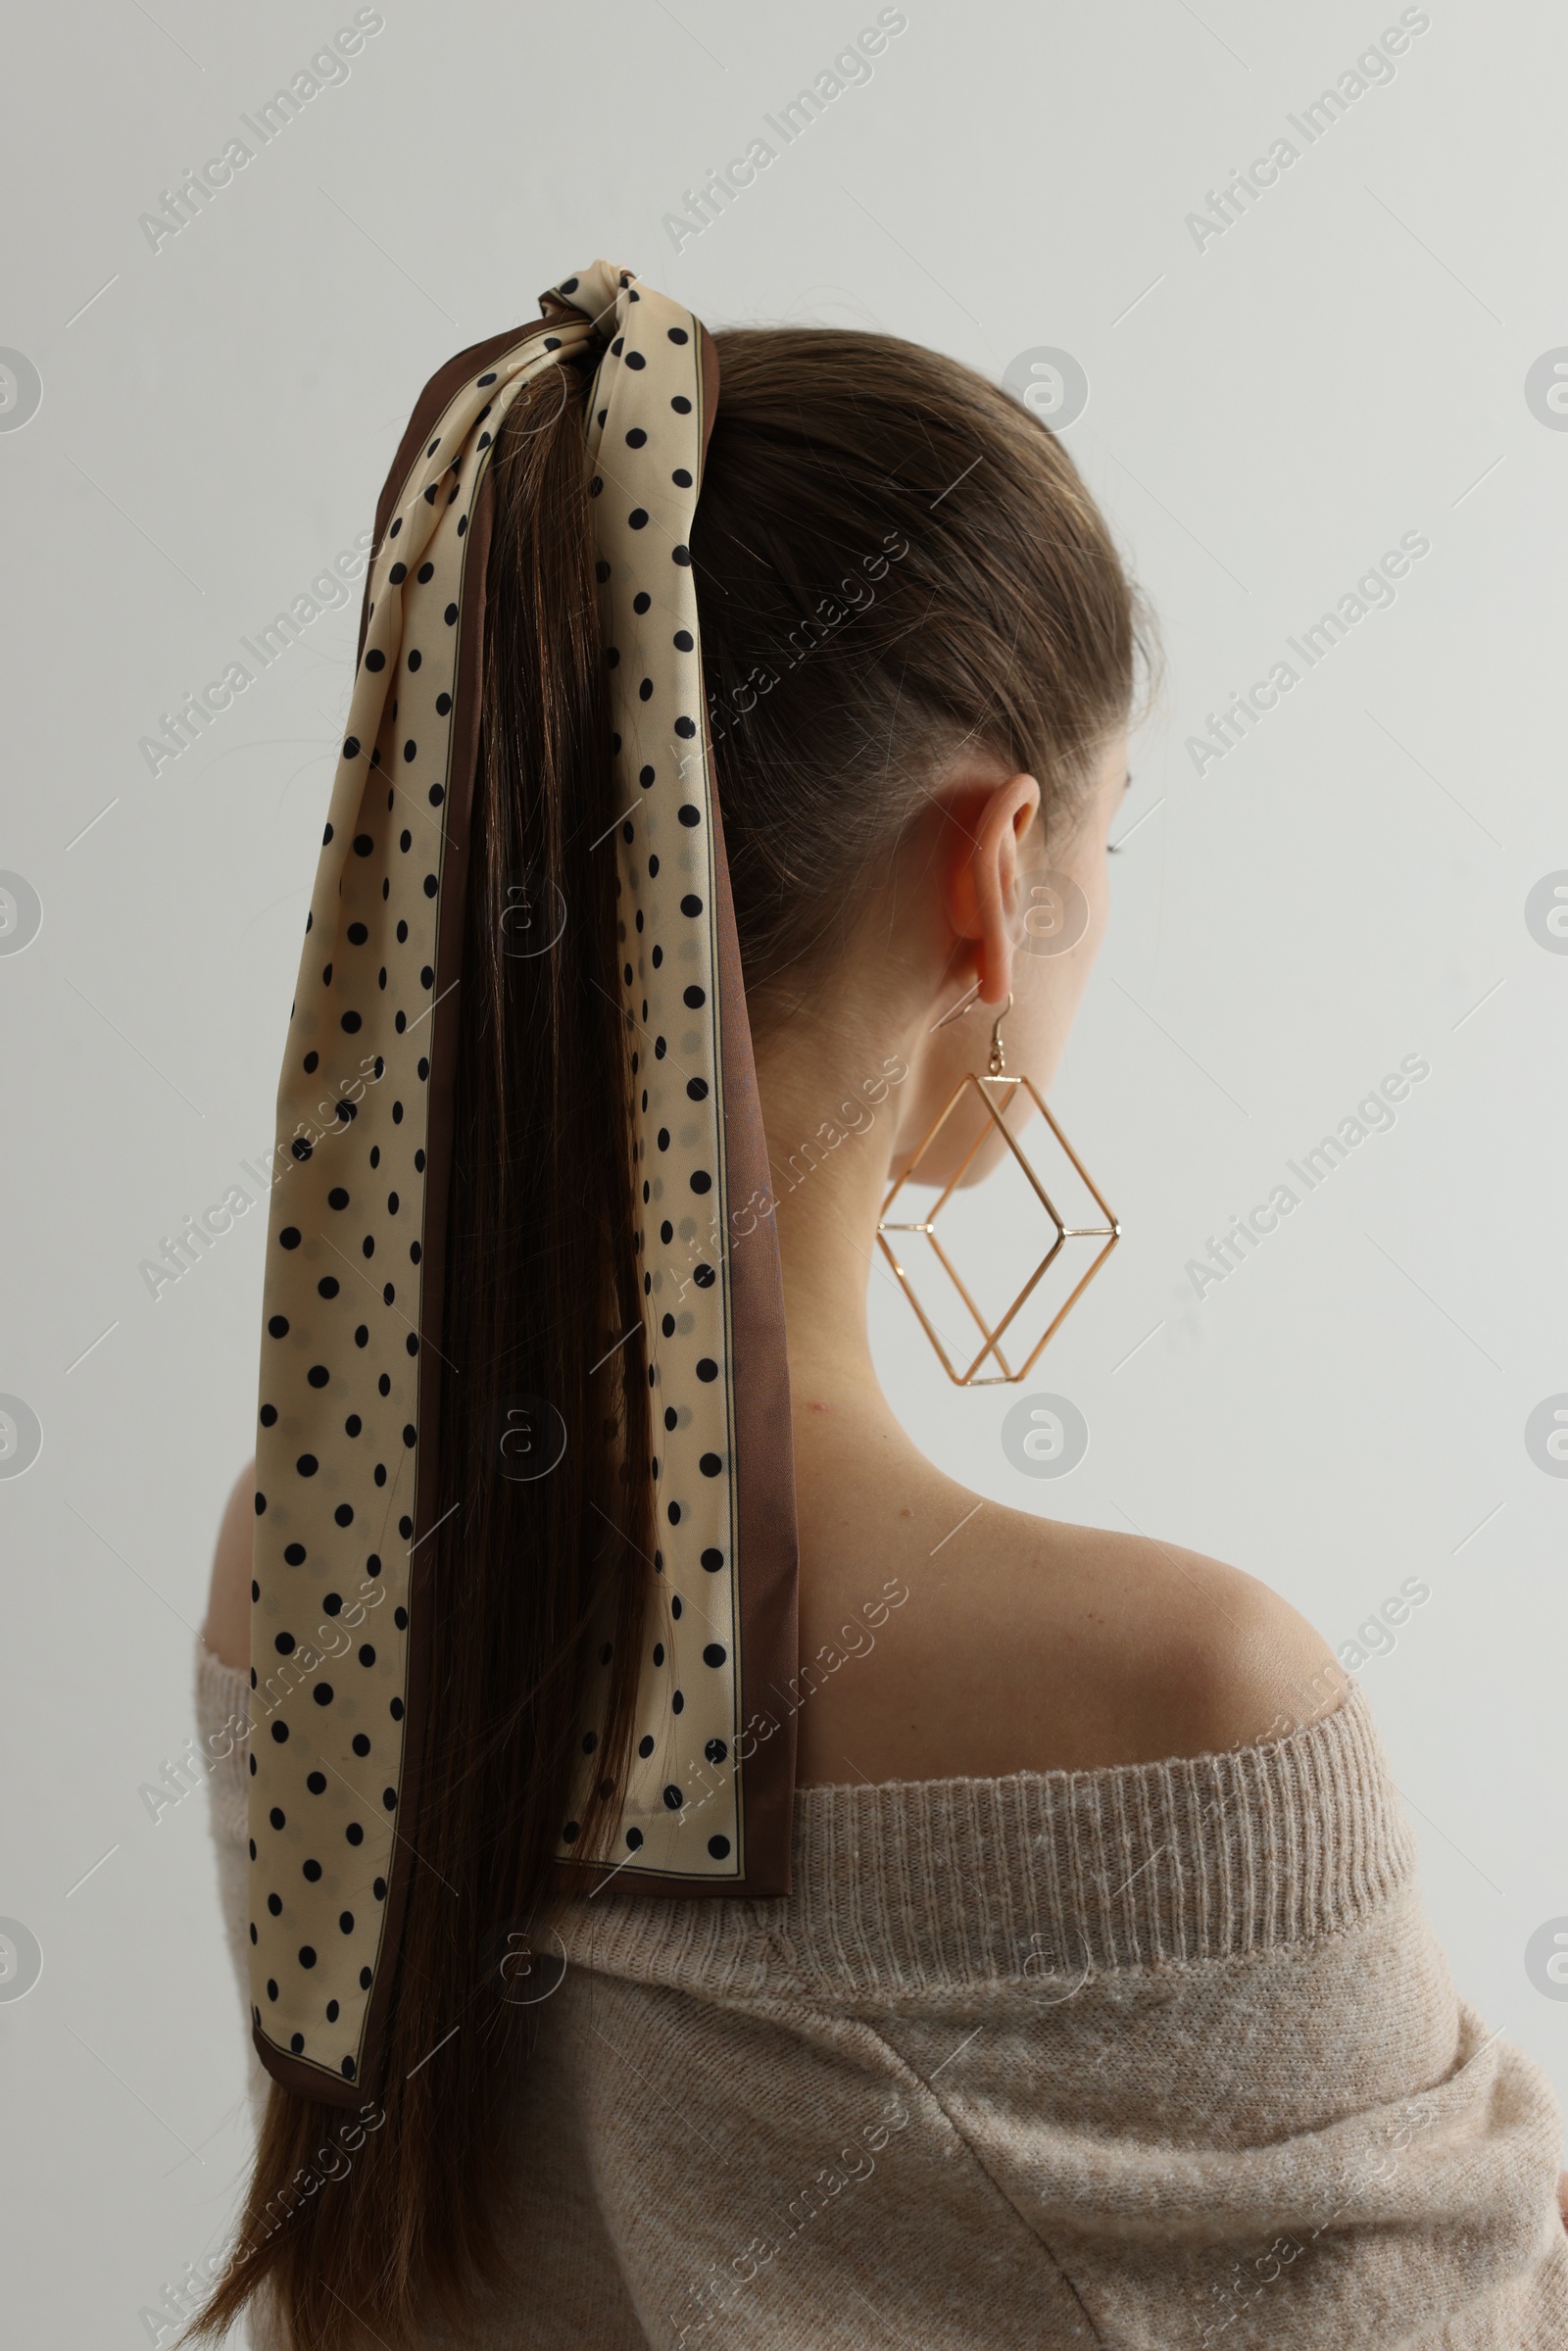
pixel 1140 2054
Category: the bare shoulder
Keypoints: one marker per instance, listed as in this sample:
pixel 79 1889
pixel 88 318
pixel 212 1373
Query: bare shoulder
pixel 228 1630
pixel 1038 1647
pixel 1241 1663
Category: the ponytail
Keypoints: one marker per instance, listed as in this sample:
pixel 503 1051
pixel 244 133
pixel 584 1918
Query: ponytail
pixel 532 1572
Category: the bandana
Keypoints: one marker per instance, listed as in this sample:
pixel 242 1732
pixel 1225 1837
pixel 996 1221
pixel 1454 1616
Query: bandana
pixel 347 1451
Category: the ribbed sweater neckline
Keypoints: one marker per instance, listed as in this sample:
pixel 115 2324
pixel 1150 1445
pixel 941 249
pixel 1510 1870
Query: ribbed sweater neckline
pixel 920 1884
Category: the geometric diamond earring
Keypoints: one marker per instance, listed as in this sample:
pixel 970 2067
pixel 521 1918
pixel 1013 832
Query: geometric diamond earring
pixel 996 1091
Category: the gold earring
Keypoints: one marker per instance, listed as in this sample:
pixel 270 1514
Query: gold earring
pixel 995 1091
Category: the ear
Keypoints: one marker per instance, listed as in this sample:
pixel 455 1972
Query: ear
pixel 986 832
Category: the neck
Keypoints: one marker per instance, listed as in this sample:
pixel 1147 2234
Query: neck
pixel 833 1108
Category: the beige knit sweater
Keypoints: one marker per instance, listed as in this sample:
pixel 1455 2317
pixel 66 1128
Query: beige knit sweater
pixel 1157 2056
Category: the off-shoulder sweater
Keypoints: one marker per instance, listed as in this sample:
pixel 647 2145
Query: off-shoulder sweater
pixel 1154 2056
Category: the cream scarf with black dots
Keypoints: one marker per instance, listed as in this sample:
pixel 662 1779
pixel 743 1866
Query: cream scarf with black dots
pixel 346 1452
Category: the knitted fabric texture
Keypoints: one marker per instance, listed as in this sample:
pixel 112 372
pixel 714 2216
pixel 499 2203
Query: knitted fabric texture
pixel 1145 2057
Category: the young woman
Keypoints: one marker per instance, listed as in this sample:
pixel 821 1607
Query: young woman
pixel 1099 2008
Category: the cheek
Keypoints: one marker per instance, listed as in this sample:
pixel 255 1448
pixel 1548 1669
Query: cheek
pixel 1050 986
pixel 1096 886
pixel 1039 1038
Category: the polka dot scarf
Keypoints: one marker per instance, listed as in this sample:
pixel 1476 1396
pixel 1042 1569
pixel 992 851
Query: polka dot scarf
pixel 348 1435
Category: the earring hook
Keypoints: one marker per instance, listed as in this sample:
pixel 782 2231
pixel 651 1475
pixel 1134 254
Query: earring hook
pixel 997 1061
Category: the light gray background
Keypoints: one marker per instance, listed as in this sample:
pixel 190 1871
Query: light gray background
pixel 1265 417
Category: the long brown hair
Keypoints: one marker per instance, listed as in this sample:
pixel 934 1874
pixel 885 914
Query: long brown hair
pixel 893 558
